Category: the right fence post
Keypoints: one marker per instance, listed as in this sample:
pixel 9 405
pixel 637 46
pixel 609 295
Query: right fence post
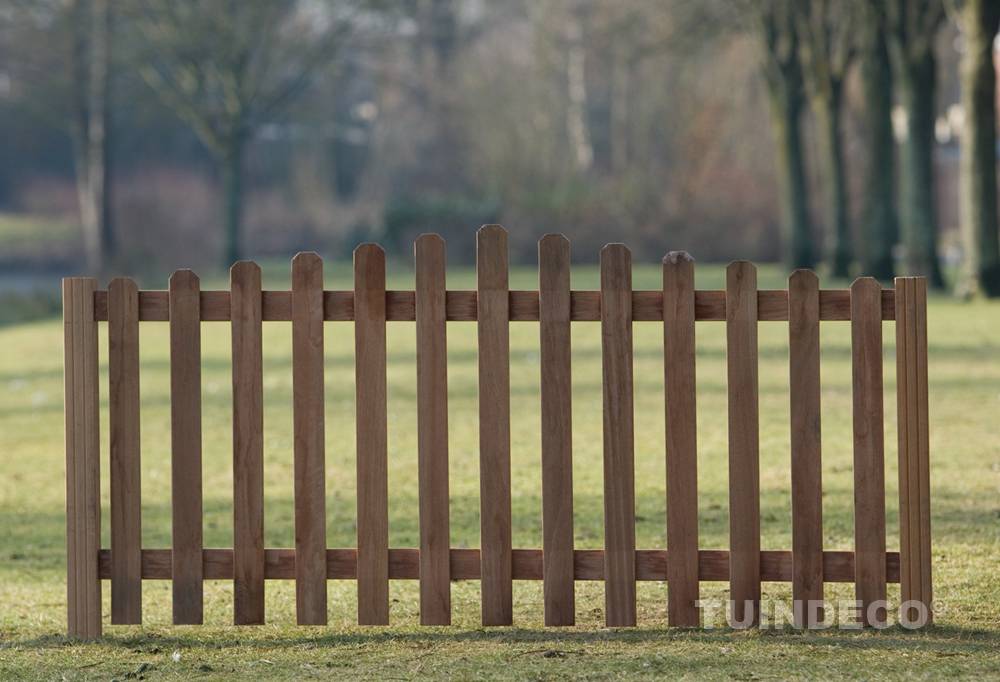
pixel 914 458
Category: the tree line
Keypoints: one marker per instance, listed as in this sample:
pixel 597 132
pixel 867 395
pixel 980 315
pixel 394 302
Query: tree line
pixel 586 113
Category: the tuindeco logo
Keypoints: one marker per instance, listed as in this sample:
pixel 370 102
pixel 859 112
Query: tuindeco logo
pixel 844 614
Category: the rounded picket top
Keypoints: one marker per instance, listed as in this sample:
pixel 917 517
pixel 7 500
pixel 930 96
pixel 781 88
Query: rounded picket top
pixel 368 249
pixel 803 277
pixel 865 283
pixel 553 238
pixel 491 230
pixel 127 284
pixel 244 267
pixel 616 266
pixel 428 242
pixel 677 257
pixel 306 258
pixel 183 278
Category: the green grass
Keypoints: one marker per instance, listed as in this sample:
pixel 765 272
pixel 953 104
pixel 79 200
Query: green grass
pixel 965 397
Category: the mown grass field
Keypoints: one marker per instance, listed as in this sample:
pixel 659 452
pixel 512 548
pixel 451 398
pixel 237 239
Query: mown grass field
pixel 965 452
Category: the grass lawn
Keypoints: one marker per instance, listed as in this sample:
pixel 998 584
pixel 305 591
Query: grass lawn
pixel 965 478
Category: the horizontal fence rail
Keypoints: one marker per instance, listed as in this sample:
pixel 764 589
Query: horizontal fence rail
pixel 682 563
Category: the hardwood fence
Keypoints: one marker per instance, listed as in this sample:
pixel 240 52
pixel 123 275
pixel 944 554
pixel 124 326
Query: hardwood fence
pixel 496 564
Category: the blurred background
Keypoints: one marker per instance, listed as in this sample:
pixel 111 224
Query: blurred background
pixel 855 136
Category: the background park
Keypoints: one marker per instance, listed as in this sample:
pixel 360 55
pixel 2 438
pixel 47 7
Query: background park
pixel 856 137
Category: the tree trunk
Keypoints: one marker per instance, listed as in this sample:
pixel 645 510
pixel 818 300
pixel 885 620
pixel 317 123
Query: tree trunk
pixel 916 78
pixel 786 117
pixel 828 115
pixel 881 222
pixel 232 187
pixel 979 140
pixel 576 86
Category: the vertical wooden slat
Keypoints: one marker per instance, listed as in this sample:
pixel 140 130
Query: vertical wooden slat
pixel 373 482
pixel 308 425
pixel 619 465
pixel 681 439
pixel 914 460
pixel 494 425
pixel 123 408
pixel 83 464
pixel 248 444
pixel 807 493
pixel 185 447
pixel 744 469
pixel 869 467
pixel 432 430
pixel 557 431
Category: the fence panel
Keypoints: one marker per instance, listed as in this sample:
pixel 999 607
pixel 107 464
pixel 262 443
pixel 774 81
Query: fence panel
pixel 677 306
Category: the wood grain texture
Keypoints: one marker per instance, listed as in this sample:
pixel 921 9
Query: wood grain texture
pixel 869 464
pixel 494 424
pixel 248 445
pixel 404 564
pixel 83 463
pixel 373 467
pixel 123 422
pixel 744 443
pixel 807 487
pixel 432 430
pixel 585 306
pixel 914 459
pixel 619 464
pixel 557 429
pixel 681 439
pixel 185 448
pixel 308 416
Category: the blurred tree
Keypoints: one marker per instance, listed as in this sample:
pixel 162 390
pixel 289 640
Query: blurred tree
pixel 228 66
pixel 978 20
pixel 914 26
pixel 779 28
pixel 827 48
pixel 880 228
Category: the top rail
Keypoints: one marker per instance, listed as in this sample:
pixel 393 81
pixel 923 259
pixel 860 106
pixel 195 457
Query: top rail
pixel 585 306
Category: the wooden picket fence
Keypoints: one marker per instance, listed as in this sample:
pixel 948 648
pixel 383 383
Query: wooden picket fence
pixel 683 564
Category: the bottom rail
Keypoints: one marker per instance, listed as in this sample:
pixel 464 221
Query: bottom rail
pixel 404 564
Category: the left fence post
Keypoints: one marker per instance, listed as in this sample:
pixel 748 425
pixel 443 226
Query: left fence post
pixel 83 464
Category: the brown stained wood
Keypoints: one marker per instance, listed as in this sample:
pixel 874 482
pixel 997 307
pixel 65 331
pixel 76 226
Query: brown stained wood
pixel 523 306
pixel 681 439
pixel 185 447
pixel 123 434
pixel 309 453
pixel 744 443
pixel 807 491
pixel 83 464
pixel 869 465
pixel 432 430
pixel 248 445
pixel 494 425
pixel 404 564
pixel 914 480
pixel 557 429
pixel 619 464
pixel 372 444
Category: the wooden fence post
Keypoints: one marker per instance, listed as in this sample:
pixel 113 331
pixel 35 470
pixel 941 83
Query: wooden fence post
pixel 83 464
pixel 914 454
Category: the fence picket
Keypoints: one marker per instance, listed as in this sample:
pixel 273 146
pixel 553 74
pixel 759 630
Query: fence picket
pixel 494 424
pixel 308 426
pixel 807 491
pixel 557 429
pixel 619 465
pixel 123 422
pixel 248 445
pixel 681 439
pixel 83 458
pixel 744 468
pixel 372 444
pixel 869 465
pixel 185 447
pixel 432 430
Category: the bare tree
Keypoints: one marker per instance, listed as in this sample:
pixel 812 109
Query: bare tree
pixel 914 26
pixel 880 228
pixel 227 66
pixel 978 21
pixel 827 48
pixel 779 26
